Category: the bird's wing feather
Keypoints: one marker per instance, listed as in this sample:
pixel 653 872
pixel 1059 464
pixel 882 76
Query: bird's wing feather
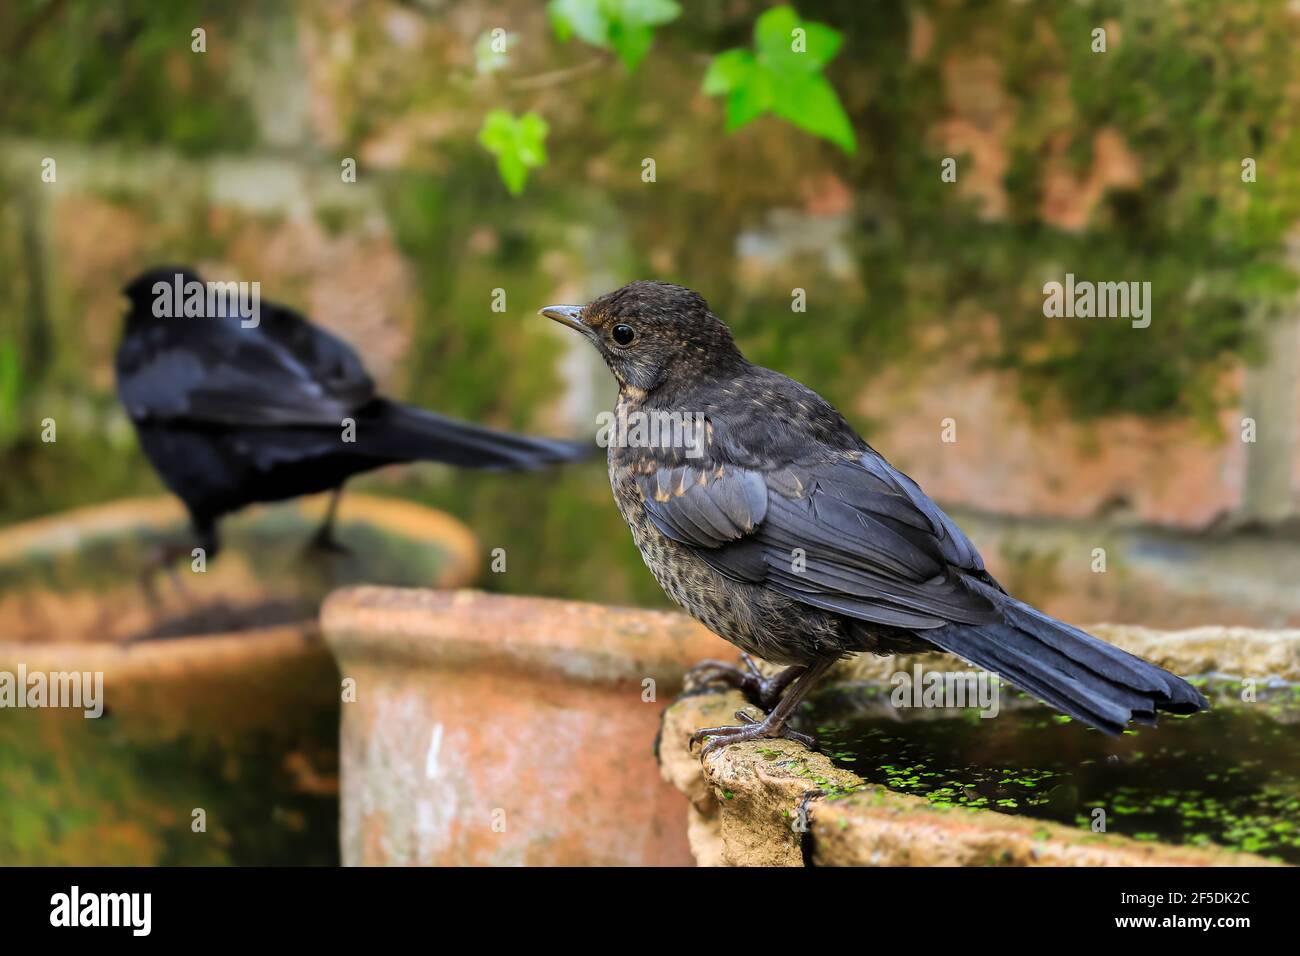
pixel 282 372
pixel 846 536
pixel 956 547
pixel 704 507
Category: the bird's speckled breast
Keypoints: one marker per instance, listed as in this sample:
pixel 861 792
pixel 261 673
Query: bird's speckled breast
pixel 752 617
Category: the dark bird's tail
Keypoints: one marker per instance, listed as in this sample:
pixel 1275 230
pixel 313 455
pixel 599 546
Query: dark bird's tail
pixel 1076 673
pixel 397 432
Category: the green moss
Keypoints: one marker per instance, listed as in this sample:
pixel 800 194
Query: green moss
pixel 89 71
pixel 1189 106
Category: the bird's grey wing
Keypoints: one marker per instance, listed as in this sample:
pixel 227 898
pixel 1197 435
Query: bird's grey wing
pixel 327 359
pixel 844 536
pixel 281 372
pixel 956 547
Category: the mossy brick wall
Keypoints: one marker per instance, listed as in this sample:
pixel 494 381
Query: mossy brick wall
pixel 924 297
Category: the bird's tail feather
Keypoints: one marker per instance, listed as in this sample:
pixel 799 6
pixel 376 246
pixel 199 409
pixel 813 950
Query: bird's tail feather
pixel 405 433
pixel 1076 673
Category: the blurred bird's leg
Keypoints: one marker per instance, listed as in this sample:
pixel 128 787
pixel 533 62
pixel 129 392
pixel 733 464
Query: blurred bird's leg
pixel 761 691
pixel 164 557
pixel 323 539
pixel 168 556
pixel 774 724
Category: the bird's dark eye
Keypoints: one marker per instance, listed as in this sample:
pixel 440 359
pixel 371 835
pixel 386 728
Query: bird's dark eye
pixel 623 334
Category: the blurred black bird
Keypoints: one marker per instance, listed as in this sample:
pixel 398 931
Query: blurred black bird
pixel 766 517
pixel 232 410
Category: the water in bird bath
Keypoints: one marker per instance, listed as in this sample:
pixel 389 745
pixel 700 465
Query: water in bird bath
pixel 1229 777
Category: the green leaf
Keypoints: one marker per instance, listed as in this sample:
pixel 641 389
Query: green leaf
pixel 810 103
pixel 519 144
pixel 649 12
pixel 583 18
pixel 532 140
pixel 625 26
pixel 786 43
pixel 727 71
pixel 773 37
pixel 749 100
pixel 631 42
pixel 822 43
pixel 783 76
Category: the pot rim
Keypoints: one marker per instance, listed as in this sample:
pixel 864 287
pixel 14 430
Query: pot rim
pixel 60 532
pixel 540 637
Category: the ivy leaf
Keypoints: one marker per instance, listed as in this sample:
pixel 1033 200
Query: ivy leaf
pixel 631 41
pixel 581 17
pixel 750 100
pixel 810 102
pixel 727 71
pixel 774 38
pixel 625 26
pixel 783 76
pixel 822 43
pixel 518 143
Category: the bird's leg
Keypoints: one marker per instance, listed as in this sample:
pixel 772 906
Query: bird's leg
pixel 323 539
pixel 774 724
pixel 761 691
pixel 166 557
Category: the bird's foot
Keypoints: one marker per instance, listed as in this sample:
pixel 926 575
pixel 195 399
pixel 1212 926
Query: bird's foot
pixel 748 681
pixel 769 727
pixel 761 691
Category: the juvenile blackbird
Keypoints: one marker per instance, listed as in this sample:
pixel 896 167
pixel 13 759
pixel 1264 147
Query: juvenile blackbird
pixel 230 412
pixel 784 532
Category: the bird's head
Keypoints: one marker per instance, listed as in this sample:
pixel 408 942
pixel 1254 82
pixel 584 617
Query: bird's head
pixel 143 289
pixel 652 333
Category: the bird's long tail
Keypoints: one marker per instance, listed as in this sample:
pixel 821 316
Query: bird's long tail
pixel 399 432
pixel 1076 673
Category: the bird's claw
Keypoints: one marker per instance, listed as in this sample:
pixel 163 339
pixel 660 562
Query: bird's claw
pixel 750 729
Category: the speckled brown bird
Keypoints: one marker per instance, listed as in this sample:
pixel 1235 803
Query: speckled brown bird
pixel 765 516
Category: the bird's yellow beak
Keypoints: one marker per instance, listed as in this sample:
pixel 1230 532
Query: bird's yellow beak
pixel 566 315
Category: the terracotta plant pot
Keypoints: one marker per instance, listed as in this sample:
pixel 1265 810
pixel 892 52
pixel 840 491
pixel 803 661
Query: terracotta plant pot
pixel 220 702
pixel 492 730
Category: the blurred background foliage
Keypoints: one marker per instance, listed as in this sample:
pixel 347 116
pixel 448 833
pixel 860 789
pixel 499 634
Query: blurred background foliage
pixel 1117 165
